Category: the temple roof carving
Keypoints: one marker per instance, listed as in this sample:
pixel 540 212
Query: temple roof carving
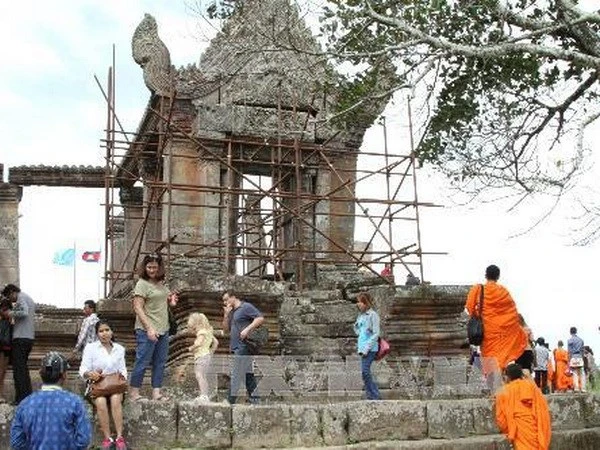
pixel 263 75
pixel 150 52
pixel 265 54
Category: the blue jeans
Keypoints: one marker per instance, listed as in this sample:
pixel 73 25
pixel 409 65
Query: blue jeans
pixel 146 351
pixel 371 388
pixel 242 367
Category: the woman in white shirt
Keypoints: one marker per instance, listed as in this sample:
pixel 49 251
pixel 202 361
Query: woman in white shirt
pixel 100 358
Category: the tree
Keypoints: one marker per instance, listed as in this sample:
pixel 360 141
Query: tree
pixel 511 86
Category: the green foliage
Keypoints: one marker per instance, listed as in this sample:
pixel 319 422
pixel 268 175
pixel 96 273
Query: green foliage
pixel 497 79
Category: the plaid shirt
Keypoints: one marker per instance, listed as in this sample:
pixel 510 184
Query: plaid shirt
pixel 87 333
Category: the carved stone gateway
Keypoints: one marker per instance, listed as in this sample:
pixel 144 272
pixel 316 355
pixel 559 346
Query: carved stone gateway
pixel 247 123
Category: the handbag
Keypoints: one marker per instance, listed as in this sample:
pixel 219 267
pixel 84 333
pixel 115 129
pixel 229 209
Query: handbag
pixel 384 349
pixel 475 324
pixel 576 361
pixel 113 383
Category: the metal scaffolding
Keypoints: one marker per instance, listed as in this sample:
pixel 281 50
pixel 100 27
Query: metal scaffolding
pixel 266 191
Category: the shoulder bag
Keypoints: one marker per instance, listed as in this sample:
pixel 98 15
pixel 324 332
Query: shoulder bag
pixel 113 383
pixel 257 339
pixel 384 349
pixel 475 324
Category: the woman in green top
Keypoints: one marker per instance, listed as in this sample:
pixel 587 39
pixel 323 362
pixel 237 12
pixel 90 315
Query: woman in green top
pixel 151 301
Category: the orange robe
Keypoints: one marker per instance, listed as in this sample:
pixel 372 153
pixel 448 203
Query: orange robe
pixel 522 415
pixel 551 375
pixel 562 381
pixel 504 339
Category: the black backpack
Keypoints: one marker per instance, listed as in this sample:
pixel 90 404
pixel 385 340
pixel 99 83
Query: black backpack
pixel 257 339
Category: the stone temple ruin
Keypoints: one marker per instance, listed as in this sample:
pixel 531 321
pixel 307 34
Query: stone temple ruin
pixel 237 178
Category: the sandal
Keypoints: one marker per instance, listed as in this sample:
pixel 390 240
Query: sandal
pixel 161 398
pixel 139 398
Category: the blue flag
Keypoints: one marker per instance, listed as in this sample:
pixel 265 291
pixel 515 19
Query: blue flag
pixel 64 257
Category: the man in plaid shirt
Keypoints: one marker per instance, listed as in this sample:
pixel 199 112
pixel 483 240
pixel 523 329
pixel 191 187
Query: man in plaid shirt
pixel 87 332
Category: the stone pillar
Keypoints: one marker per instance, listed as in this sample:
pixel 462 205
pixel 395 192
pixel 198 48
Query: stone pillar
pixel 228 212
pixel 153 232
pixel 10 196
pixel 210 176
pixel 322 218
pixel 184 215
pixel 193 215
pixel 118 250
pixel 341 228
pixel 254 236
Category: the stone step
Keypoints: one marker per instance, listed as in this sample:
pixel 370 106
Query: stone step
pixel 588 439
pixel 448 425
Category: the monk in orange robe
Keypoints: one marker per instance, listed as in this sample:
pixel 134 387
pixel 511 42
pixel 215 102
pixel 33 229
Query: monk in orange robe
pixel 522 412
pixel 563 381
pixel 504 339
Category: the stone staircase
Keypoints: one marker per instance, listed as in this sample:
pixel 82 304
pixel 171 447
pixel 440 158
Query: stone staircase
pixel 389 424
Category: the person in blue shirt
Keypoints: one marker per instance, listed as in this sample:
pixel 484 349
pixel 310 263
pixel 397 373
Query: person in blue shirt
pixel 575 348
pixel 367 329
pixel 239 318
pixel 51 418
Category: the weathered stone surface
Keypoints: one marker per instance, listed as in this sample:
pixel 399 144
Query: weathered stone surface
pixel 449 419
pixel 567 411
pixel 448 372
pixel 591 407
pixel 334 419
pixel 204 425
pixel 471 443
pixel 306 426
pixel 382 420
pixel 349 425
pixel 266 426
pixel 6 416
pixel 484 417
pixel 576 439
pixel 150 424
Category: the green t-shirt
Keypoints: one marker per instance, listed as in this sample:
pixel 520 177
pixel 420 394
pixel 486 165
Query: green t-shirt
pixel 155 305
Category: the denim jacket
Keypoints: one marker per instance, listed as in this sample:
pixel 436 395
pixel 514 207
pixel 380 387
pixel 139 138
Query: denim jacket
pixel 367 329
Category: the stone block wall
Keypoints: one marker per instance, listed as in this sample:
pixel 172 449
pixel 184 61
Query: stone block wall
pixel 419 321
pixel 406 424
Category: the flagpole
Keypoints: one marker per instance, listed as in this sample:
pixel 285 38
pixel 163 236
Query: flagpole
pixel 98 284
pixel 75 275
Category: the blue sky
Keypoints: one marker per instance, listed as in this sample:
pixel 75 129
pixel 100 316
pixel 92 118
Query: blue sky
pixel 53 113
